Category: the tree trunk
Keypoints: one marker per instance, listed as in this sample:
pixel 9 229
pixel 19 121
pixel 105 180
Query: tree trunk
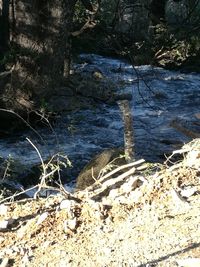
pixel 128 130
pixel 4 26
pixel 42 40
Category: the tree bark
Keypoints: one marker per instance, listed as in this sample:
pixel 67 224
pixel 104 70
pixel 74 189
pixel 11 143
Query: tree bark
pixel 4 27
pixel 128 130
pixel 41 37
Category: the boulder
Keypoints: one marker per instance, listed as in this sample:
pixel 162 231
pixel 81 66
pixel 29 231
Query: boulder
pixel 97 164
pixel 83 91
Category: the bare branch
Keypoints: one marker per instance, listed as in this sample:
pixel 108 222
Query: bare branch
pixel 39 154
pixel 88 25
pixel 121 168
pixel 23 120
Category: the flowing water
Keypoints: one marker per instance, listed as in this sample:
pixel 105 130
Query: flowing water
pixel 158 97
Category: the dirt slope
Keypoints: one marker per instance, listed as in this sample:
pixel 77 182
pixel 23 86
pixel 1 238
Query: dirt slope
pixel 147 218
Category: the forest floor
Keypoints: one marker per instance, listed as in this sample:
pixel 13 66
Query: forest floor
pixel 146 216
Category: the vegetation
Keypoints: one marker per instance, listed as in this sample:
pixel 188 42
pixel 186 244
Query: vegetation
pixel 164 32
pixel 145 31
pixel 123 212
pixel 38 40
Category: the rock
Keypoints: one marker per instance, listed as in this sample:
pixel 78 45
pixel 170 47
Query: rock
pixel 135 196
pixel 5 262
pixel 67 204
pixel 32 174
pixel 82 90
pixel 5 224
pixel 121 199
pixel 188 191
pixel 59 103
pixel 42 218
pixel 130 185
pixel 91 171
pixel 178 200
pixel 12 172
pixel 160 95
pixel 98 75
pixel 114 193
pixel 3 209
pixel 190 262
pixel 193 159
pixel 97 88
pixel 70 225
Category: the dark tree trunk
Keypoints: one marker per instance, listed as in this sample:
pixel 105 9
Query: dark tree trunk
pixel 41 37
pixel 4 27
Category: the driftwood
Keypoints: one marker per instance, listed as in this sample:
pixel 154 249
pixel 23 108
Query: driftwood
pixel 120 178
pixel 187 132
pixel 106 183
pixel 139 162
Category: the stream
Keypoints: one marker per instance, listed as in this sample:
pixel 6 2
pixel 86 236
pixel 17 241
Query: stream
pixel 158 97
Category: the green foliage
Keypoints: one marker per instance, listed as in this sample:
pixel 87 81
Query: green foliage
pixel 80 13
pixel 107 12
pixel 43 105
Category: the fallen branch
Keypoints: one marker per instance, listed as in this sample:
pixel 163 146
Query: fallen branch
pixel 6 73
pixel 184 130
pixel 119 178
pixel 101 181
pixel 88 25
pixel 17 194
pixel 109 184
pixel 139 162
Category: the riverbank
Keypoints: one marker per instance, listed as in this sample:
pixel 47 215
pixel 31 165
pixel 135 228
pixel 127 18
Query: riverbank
pixel 157 95
pixel 148 218
pixel 82 89
pixel 171 54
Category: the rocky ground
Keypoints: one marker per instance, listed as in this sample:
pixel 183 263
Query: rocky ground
pixel 135 215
